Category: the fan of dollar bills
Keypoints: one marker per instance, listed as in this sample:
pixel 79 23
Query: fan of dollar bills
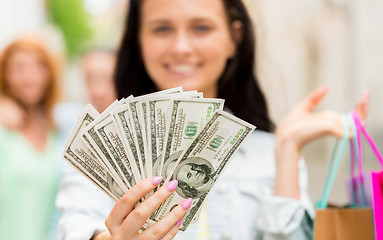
pixel 174 134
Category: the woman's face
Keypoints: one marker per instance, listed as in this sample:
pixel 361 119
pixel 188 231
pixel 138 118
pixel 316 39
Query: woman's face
pixel 27 77
pixel 192 174
pixel 185 43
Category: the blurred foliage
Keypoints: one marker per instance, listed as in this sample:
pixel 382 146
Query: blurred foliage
pixel 71 18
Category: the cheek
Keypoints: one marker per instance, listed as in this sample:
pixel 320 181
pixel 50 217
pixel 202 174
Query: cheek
pixel 217 43
pixel 153 55
pixel 152 51
pixel 43 80
pixel 216 53
pixel 14 81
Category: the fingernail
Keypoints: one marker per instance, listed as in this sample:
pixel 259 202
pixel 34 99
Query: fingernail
pixel 186 203
pixel 156 180
pixel 324 88
pixel 172 185
pixel 179 222
pixel 367 96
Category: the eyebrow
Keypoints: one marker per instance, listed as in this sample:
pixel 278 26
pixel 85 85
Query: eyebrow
pixel 167 21
pixel 158 21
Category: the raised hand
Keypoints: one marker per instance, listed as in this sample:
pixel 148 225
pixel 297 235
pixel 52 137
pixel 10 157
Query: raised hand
pixel 12 116
pixel 299 127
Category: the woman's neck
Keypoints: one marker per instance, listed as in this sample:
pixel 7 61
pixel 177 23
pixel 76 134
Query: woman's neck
pixel 32 112
pixel 34 116
pixel 210 93
pixel 36 127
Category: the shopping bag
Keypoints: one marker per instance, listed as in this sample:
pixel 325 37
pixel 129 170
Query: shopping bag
pixel 366 189
pixel 341 223
pixel 377 186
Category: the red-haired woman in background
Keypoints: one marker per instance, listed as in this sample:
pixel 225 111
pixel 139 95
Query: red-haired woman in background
pixel 29 143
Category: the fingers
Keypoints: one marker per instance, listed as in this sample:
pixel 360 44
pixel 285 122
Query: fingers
pixel 172 232
pixel 363 106
pixel 142 212
pixel 11 114
pixel 168 226
pixel 313 98
pixel 127 202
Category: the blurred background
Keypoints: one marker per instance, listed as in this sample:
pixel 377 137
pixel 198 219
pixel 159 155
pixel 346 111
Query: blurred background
pixel 301 44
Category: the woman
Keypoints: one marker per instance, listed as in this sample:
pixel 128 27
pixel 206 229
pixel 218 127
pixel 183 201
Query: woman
pixel 209 46
pixel 29 146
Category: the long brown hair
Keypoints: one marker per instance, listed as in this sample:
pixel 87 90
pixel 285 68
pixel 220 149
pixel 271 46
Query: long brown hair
pixel 52 93
pixel 238 84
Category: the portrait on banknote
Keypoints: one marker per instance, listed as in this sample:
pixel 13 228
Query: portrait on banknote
pixel 194 177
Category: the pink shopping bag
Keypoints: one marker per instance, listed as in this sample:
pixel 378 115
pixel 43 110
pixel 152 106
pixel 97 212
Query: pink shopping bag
pixel 377 186
pixel 366 189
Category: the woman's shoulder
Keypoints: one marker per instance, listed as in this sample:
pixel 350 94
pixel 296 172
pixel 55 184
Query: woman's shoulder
pixel 257 151
pixel 5 133
pixel 260 140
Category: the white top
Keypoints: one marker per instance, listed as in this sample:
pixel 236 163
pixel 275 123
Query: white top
pixel 240 205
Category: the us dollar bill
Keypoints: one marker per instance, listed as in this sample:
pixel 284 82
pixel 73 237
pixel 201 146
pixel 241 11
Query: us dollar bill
pixel 187 117
pixel 107 131
pixel 202 162
pixel 122 118
pixel 139 137
pixel 130 121
pixel 142 115
pixel 157 124
pixel 93 141
pixel 80 157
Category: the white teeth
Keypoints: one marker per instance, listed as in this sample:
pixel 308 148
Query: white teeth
pixel 182 68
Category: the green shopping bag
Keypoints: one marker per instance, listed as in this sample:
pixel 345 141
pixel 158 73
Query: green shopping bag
pixel 341 223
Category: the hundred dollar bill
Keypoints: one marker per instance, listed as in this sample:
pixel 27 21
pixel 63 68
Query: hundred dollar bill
pixel 122 118
pixel 142 116
pixel 130 126
pixel 107 131
pixel 202 162
pixel 157 125
pixel 187 116
pixel 93 141
pixel 140 138
pixel 80 157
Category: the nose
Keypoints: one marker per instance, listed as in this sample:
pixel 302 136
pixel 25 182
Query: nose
pixel 29 74
pixel 182 45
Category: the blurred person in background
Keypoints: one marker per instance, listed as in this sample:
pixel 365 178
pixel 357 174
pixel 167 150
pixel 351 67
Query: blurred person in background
pixel 97 69
pixel 97 66
pixel 29 141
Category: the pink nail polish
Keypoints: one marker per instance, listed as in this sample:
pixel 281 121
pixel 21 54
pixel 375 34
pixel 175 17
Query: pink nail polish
pixel 179 222
pixel 186 203
pixel 172 185
pixel 367 97
pixel 156 180
pixel 325 88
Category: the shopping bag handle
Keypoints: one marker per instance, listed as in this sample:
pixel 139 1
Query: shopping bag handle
pixel 355 158
pixel 336 158
pixel 371 142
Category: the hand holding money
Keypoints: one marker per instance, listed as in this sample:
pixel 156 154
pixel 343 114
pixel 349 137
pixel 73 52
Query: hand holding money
pixel 170 134
pixel 125 220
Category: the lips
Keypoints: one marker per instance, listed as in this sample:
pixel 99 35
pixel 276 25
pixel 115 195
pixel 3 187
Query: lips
pixel 182 68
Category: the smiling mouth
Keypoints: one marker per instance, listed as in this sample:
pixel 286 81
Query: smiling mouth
pixel 182 68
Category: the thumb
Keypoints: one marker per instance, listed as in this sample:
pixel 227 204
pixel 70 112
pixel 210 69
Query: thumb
pixel 363 106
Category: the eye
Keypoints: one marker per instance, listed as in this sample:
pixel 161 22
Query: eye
pixel 201 28
pixel 162 29
pixel 189 175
